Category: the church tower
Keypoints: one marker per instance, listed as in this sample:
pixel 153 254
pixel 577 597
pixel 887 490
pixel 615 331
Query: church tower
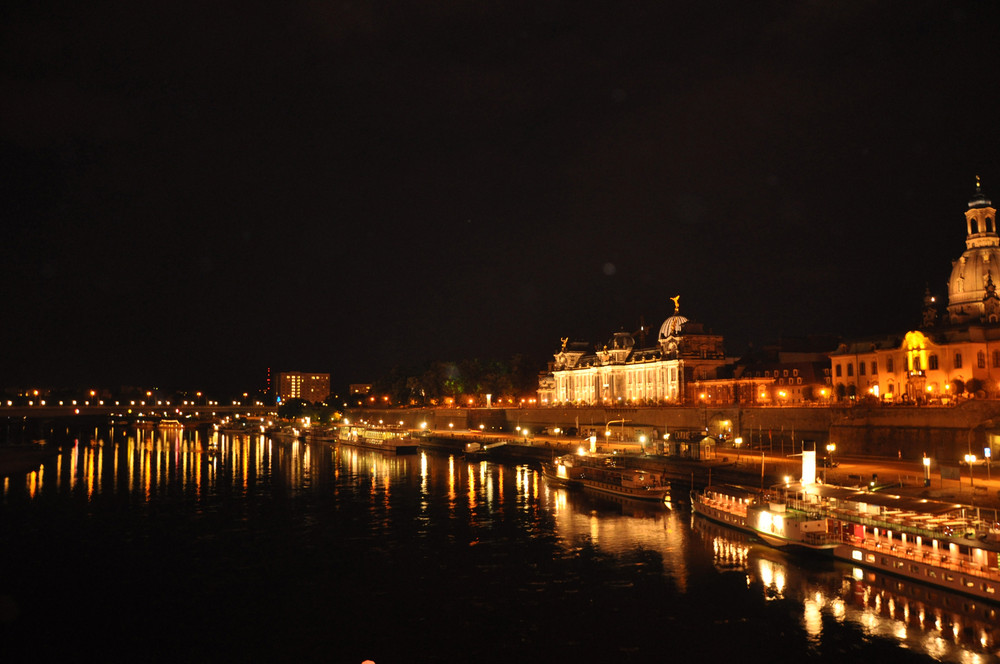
pixel 978 265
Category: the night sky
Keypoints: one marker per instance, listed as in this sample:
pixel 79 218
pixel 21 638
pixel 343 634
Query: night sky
pixel 193 192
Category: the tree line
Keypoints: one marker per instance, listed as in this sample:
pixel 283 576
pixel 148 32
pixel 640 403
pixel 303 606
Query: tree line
pixel 440 382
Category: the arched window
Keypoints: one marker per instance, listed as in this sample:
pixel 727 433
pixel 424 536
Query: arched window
pixel 981 359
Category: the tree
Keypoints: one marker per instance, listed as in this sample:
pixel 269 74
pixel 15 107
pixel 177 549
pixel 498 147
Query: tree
pixel 291 409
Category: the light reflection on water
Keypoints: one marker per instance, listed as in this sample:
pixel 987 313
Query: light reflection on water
pixel 943 625
pixel 486 550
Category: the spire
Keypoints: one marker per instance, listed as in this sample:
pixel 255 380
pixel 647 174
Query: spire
pixel 979 200
pixel 930 308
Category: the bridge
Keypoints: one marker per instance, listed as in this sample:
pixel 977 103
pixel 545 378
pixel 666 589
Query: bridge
pixel 127 409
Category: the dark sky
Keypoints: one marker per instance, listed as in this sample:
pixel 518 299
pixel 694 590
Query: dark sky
pixel 193 192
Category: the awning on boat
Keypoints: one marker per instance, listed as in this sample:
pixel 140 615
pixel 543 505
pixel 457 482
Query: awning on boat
pixel 884 500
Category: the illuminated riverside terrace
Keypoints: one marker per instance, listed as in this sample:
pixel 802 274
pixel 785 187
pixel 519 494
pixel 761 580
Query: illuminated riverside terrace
pixel 172 545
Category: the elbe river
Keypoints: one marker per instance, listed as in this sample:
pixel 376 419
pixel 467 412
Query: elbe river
pixel 149 546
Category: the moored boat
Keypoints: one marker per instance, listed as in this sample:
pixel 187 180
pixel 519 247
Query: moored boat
pixel 607 474
pixel 765 515
pixel 387 438
pixel 932 542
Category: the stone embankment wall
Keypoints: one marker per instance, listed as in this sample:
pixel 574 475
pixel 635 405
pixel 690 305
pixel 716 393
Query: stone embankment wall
pixel 906 431
pixel 941 432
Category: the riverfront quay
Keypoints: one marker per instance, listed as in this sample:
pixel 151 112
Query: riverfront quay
pixel 941 432
pixel 755 468
pixel 887 441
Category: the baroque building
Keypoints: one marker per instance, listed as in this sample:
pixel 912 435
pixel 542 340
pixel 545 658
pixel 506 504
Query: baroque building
pixel 954 353
pixel 622 373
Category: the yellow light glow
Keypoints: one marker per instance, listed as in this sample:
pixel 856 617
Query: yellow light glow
pixel 764 521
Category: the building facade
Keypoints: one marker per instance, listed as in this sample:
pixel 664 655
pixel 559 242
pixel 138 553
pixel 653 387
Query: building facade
pixel 952 354
pixel 620 373
pixel 311 387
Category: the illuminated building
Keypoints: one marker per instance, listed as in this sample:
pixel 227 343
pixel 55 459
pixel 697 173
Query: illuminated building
pixel 621 373
pixel 795 371
pixel 311 387
pixel 950 355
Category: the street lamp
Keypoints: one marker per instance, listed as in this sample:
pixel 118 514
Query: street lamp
pixel 927 470
pixel 971 459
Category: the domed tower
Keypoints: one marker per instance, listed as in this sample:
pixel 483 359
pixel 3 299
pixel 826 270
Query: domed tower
pixel 978 266
pixel 671 329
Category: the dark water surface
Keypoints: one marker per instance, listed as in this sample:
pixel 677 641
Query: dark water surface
pixel 163 546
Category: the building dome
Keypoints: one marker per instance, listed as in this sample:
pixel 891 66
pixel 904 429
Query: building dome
pixel 621 341
pixel 672 326
pixel 979 264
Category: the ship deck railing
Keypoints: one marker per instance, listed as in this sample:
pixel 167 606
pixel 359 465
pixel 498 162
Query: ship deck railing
pixel 878 521
pixel 731 508
pixel 923 555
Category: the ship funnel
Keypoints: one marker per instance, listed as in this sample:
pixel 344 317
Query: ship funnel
pixel 809 464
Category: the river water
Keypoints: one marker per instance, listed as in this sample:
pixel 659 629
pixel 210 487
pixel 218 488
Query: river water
pixel 167 546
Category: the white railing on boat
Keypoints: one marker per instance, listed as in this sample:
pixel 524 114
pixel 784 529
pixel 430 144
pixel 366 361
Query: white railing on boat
pixel 937 560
